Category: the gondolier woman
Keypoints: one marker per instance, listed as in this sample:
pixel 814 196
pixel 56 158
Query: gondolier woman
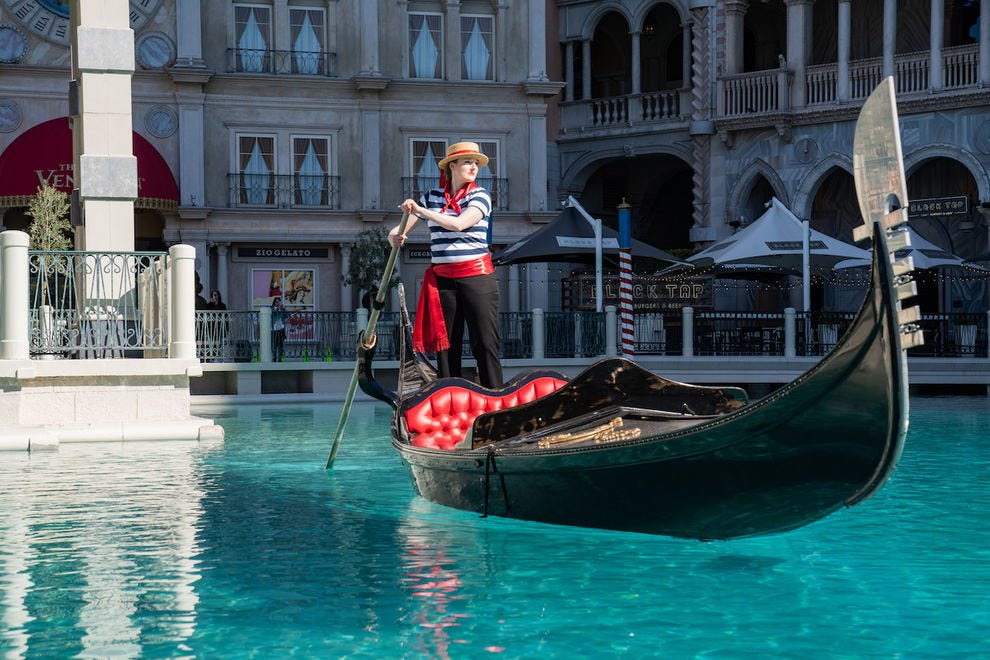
pixel 460 285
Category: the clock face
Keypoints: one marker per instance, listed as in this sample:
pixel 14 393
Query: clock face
pixel 49 19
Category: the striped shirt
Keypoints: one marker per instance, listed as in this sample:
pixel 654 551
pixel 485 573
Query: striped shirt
pixel 449 247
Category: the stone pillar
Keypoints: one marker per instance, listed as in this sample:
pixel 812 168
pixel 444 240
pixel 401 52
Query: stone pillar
pixel 984 43
pixel 844 24
pixel 537 157
pixel 735 12
pixel 537 40
pixel 452 36
pixel 799 38
pixel 513 292
pixel 637 83
pixel 371 162
pixel 569 70
pixel 686 54
pixel 935 74
pixel 223 250
pixel 189 33
pixel 182 282
pixel 889 36
pixel 586 69
pixel 15 297
pixel 281 37
pixel 369 37
pixel 104 165
pixel 346 292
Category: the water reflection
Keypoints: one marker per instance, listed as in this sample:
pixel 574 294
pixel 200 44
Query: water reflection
pixel 100 540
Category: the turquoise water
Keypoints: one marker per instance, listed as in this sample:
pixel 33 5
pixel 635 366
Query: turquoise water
pixel 247 548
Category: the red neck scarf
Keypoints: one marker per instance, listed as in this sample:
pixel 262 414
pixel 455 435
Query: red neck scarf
pixel 453 201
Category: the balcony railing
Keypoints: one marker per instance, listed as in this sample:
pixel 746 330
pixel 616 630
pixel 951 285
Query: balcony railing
pixel 648 108
pixel 325 336
pixel 413 187
pixel 761 92
pixel 98 304
pixel 284 190
pixel 281 62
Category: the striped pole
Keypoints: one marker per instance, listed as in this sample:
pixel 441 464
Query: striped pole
pixel 626 327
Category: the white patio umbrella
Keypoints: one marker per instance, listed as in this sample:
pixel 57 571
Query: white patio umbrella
pixel 778 239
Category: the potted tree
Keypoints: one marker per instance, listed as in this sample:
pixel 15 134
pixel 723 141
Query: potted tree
pixel 49 232
pixel 368 258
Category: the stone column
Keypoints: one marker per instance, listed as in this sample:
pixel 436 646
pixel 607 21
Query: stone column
pixel 686 55
pixel 935 75
pixel 104 165
pixel 189 33
pixel 844 25
pixel 537 41
pixel 537 156
pixel 15 297
pixel 346 292
pixel 513 292
pixel 369 37
pixel 452 37
pixel 735 12
pixel 569 70
pixel 281 36
pixel 371 162
pixel 889 36
pixel 223 250
pixel 182 279
pixel 984 43
pixel 798 47
pixel 586 69
pixel 637 83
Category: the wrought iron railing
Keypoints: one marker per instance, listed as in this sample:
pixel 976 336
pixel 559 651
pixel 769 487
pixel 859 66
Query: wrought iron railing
pixel 284 190
pixel 413 187
pixel 325 336
pixel 98 304
pixel 281 62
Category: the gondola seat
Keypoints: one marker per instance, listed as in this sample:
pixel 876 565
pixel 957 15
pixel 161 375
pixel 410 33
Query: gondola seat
pixel 440 416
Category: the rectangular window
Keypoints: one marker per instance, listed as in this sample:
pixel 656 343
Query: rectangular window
pixel 311 181
pixel 252 38
pixel 308 34
pixel 425 45
pixel 478 47
pixel 425 156
pixel 256 169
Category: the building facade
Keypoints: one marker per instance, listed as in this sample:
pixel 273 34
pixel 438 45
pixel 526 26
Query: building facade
pixel 698 112
pixel 269 134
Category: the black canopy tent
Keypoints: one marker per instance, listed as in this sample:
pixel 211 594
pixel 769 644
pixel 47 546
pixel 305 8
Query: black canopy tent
pixel 570 238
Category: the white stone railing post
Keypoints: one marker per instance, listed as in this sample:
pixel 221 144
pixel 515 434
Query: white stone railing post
pixel 265 334
pixel 539 339
pixel 15 299
pixel 611 332
pixel 687 330
pixel 182 314
pixel 790 334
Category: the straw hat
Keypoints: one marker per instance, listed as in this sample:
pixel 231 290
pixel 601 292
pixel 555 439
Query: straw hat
pixel 463 150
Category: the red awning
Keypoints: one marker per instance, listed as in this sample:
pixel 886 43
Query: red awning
pixel 43 154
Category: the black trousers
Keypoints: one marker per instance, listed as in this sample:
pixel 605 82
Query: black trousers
pixel 471 301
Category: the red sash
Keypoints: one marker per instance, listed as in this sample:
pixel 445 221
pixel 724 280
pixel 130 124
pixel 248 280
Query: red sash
pixel 430 331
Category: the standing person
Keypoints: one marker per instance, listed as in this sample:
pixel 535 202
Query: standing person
pixel 216 301
pixel 278 329
pixel 460 285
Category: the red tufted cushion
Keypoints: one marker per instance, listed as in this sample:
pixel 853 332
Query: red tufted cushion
pixel 442 420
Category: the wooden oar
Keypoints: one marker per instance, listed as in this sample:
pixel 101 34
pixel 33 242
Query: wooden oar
pixel 367 338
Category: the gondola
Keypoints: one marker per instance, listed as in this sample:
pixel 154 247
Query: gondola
pixel 618 447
